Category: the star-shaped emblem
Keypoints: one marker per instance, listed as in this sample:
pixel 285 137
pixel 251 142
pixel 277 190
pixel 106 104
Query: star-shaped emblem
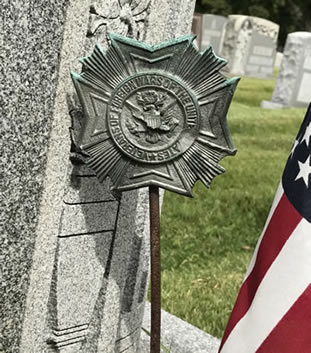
pixel 153 108
pixel 304 171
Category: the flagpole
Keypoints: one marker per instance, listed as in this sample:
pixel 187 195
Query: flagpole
pixel 154 206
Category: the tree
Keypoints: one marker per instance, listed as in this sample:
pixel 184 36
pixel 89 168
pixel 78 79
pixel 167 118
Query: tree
pixel 218 7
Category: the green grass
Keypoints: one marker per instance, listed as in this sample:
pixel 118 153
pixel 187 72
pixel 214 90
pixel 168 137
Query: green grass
pixel 207 241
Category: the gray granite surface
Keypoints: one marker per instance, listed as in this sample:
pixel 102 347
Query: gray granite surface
pixel 30 41
pixel 213 30
pixel 37 326
pixel 178 336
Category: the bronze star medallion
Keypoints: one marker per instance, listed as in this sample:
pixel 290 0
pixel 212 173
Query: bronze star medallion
pixel 154 115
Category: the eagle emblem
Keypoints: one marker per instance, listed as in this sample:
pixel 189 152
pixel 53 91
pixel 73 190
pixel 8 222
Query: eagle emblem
pixel 157 117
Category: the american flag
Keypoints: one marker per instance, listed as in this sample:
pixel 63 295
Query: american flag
pixel 272 313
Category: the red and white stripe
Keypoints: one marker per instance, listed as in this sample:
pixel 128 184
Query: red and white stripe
pixel 272 313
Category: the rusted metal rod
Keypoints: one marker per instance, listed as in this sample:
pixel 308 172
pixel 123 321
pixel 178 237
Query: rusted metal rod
pixel 154 204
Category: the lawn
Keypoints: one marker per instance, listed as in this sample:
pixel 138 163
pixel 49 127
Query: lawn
pixel 208 240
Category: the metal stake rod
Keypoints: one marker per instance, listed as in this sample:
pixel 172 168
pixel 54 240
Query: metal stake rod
pixel 155 269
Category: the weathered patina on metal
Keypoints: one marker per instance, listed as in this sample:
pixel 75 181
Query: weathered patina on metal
pixel 154 116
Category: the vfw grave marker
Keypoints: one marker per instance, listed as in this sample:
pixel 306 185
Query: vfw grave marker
pixel 154 116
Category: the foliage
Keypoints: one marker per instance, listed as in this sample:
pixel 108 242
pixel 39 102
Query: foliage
pixel 291 15
pixel 207 241
pixel 220 7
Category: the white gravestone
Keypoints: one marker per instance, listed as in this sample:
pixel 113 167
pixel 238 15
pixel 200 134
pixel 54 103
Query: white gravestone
pixel 278 60
pixel 212 32
pixel 293 86
pixel 250 46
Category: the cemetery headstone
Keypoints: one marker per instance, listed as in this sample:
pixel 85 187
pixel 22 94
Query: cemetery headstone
pixel 250 45
pixel 293 86
pixel 278 60
pixel 178 336
pixel 213 32
pixel 197 27
pixel 74 257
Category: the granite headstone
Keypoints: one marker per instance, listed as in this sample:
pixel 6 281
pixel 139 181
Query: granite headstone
pixel 293 86
pixel 213 32
pixel 177 336
pixel 278 60
pixel 261 57
pixel 250 45
pixel 197 27
pixel 74 257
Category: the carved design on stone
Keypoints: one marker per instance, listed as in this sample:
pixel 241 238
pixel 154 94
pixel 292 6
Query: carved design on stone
pixel 242 45
pixel 126 17
pixel 250 45
pixel 237 40
pixel 265 27
pixel 128 342
pixel 82 258
pixel 68 337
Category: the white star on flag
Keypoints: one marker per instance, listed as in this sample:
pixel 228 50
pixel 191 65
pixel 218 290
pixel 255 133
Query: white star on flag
pixel 305 171
pixel 293 149
pixel 307 135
